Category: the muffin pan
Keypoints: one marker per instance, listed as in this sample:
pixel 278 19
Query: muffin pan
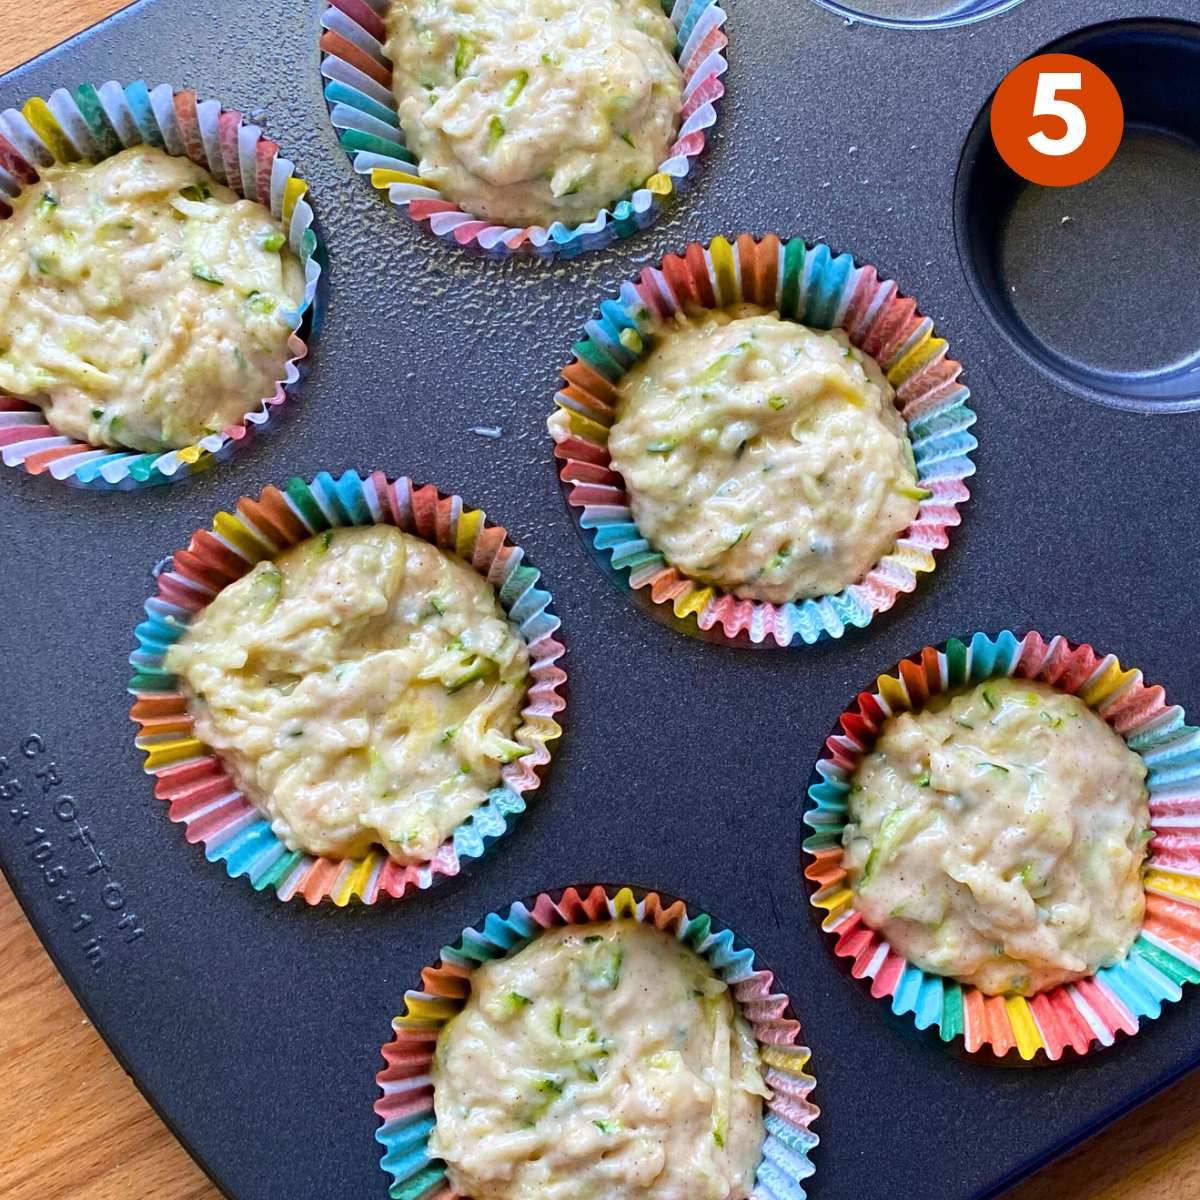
pixel 255 1026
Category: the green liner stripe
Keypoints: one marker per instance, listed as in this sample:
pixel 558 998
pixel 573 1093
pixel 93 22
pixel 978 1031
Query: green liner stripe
pixel 1175 969
pixel 354 141
pixel 792 276
pixel 951 1025
pixel 308 509
pixel 956 663
pixel 87 100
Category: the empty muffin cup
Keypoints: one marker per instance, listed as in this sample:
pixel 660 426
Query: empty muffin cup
pixel 1095 284
pixel 918 14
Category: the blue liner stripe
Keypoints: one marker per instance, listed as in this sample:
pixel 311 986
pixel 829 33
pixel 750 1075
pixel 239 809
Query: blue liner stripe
pixel 337 92
pixel 137 95
pixel 408 1133
pixel 246 848
pixel 826 285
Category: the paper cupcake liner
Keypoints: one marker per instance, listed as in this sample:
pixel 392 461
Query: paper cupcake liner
pixel 94 123
pixel 406 1106
pixel 362 107
pixel 1079 1015
pixel 812 285
pixel 191 778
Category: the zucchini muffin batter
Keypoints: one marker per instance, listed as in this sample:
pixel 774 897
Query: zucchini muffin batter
pixel 143 304
pixel 362 688
pixel 762 456
pixel 998 837
pixel 601 1062
pixel 527 112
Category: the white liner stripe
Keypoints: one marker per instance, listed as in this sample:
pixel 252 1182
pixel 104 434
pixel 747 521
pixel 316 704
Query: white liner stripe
pixel 337 21
pixel 116 109
pixel 343 72
pixel 20 133
pixel 207 113
pixel 62 105
pixel 162 101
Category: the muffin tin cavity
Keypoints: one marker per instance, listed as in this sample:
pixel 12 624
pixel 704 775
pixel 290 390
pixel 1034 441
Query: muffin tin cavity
pixel 1099 284
pixel 919 14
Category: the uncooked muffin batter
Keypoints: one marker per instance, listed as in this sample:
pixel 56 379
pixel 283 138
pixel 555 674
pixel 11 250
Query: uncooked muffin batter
pixel 143 304
pixel 763 456
pixel 998 837
pixel 527 112
pixel 364 687
pixel 601 1062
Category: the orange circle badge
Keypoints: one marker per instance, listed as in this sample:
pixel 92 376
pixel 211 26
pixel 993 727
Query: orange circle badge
pixel 1057 119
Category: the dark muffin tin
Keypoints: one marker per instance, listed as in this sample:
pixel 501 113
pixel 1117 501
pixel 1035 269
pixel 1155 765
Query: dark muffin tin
pixel 255 1026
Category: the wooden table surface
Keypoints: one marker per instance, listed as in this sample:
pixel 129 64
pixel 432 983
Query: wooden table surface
pixel 75 1126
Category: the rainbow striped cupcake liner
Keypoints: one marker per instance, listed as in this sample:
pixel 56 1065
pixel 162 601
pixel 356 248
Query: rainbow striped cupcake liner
pixel 804 283
pixel 94 123
pixel 1080 1015
pixel 362 108
pixel 406 1106
pixel 190 777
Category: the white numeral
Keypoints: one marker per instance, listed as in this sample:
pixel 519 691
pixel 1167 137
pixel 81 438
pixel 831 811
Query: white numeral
pixel 1046 103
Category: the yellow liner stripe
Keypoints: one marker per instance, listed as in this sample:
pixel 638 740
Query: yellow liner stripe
pixel 37 113
pixel 424 1009
pixel 357 880
pixel 721 253
pixel 925 349
pixel 1025 1030
pixel 1184 887
pixel 834 901
pixel 585 427
pixel 163 754
pixel 1109 681
pixel 892 690
pixel 384 177
pixel 624 904
pixel 913 558
pixel 291 196
pixel 793 1063
pixel 469 525
pixel 231 528
pixel 694 601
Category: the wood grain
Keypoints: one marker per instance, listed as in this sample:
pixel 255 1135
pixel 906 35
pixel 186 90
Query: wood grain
pixel 74 1125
